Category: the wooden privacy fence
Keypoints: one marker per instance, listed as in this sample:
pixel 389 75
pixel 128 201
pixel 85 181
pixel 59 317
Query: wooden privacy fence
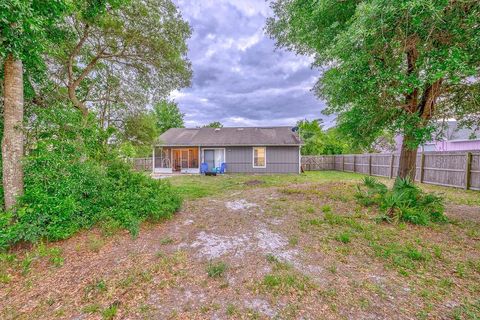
pixel 141 164
pixel 451 169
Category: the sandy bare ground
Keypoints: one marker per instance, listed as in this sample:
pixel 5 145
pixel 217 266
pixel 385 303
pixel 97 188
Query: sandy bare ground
pixel 279 263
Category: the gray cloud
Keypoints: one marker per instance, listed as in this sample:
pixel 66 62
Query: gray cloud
pixel 239 77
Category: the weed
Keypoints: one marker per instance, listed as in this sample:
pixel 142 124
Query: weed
pixel 109 227
pixel 166 240
pixel 91 308
pixel 460 270
pixel 5 278
pixel 437 252
pixel 364 303
pixel 95 243
pixel 216 269
pixel 110 312
pixel 96 286
pixel 272 259
pixel 332 268
pixel 231 310
pixel 293 241
pixel 326 208
pixel 284 280
pixel 344 237
pixel 27 263
pixel 468 310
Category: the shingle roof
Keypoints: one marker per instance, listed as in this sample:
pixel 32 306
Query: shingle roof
pixel 241 136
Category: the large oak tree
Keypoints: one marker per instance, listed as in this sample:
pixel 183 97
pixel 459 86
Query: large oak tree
pixel 119 59
pixel 388 65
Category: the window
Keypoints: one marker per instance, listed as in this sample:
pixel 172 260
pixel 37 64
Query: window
pixel 259 157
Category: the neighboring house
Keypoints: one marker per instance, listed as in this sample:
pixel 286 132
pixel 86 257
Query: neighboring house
pixel 449 138
pixel 243 150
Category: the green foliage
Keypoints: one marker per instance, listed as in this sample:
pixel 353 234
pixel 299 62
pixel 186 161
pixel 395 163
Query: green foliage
pixel 387 62
pixel 168 115
pixel 73 181
pixel 316 141
pixel 28 27
pixel 139 134
pixel 404 202
pixel 214 124
pixel 121 55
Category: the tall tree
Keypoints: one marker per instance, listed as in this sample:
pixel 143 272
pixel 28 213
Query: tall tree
pixel 390 65
pixel 318 141
pixel 26 29
pixel 168 115
pixel 140 132
pixel 122 55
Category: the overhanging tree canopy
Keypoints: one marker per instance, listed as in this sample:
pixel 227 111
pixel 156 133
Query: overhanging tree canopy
pixel 389 65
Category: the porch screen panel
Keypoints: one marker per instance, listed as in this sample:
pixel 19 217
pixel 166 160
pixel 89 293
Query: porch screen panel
pixel 162 157
pixel 193 156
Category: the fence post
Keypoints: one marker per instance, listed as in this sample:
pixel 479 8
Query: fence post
pixel 354 170
pixel 369 164
pixel 391 165
pixel 343 162
pixel 468 169
pixel 422 164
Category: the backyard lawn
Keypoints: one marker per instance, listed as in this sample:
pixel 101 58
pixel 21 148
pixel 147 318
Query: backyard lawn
pixel 258 247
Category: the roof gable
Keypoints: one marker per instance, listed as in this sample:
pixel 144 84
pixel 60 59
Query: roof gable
pixel 229 136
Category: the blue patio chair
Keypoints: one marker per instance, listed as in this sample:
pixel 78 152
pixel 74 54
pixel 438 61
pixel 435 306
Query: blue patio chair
pixel 223 167
pixel 204 167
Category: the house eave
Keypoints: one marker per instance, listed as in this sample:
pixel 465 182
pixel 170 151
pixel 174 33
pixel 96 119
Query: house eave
pixel 228 145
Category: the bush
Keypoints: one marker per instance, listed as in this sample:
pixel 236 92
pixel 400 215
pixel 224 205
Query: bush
pixel 74 181
pixel 405 202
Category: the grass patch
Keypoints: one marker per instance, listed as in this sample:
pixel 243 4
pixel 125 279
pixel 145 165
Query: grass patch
pixel 110 312
pixel 95 243
pixel 92 308
pixel 403 257
pixel 166 240
pixel 216 269
pixel 344 237
pixel 326 208
pixel 231 310
pixel 468 310
pixel 293 241
pixel 284 280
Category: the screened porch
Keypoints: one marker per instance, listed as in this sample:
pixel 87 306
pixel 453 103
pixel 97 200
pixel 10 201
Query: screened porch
pixel 176 159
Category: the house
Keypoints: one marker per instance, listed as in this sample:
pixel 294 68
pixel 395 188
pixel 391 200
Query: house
pixel 449 137
pixel 243 150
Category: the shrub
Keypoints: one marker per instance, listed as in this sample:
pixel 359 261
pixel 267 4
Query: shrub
pixel 404 202
pixel 74 180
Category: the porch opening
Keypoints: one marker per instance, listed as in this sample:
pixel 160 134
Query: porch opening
pixel 179 159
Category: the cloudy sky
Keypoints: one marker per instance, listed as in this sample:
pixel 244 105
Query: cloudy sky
pixel 239 78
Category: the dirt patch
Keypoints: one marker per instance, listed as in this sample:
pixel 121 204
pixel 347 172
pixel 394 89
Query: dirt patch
pixel 241 204
pixel 253 182
pixel 463 212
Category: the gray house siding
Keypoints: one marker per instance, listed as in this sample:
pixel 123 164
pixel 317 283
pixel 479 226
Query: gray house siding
pixel 279 159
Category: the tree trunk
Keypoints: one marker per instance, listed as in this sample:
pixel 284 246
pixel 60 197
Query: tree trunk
pixel 12 142
pixel 407 166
